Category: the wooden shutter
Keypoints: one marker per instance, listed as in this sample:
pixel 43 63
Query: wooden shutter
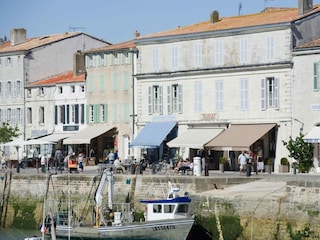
pixel 150 100
pixel 180 98
pixel 169 99
pixel 263 95
pixel 276 93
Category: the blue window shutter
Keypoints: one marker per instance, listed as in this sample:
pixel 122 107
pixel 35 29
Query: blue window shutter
pixel 263 95
pixel 276 93
pixel 180 98
pixel 68 114
pixel 82 113
pixel 55 115
pixel 160 100
pixel 316 76
pixel 169 99
pixel 96 113
pixel 150 100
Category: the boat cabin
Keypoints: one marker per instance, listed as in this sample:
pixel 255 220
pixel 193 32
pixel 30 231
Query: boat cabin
pixel 174 207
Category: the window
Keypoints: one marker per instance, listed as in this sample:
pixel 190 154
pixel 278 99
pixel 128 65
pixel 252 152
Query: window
pixel 316 76
pixel 91 113
pixel 198 96
pixel 219 53
pixel 115 82
pixel 269 93
pixel 168 208
pixel 126 82
pixel 157 208
pixel 243 50
pixel 9 89
pixel 89 61
pixel 244 94
pixel 62 114
pixel 1 89
pixel 29 92
pixel 183 208
pixel 41 115
pixel 73 113
pixel 29 115
pixel 127 57
pixel 18 89
pixel 103 113
pixel 270 48
pixel 9 115
pixel 19 116
pixel 197 54
pixel 115 58
pixel 155 99
pixel 60 90
pixel 174 98
pixel 82 87
pixel 41 91
pixel 9 62
pixel 174 57
pixel 219 95
pixel 115 113
pixel 126 112
pixel 101 83
pixel 72 89
pixel 155 59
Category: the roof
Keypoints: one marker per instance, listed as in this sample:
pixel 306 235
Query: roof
pixel 67 77
pixel 118 46
pixel 32 43
pixel 266 17
pixel 312 44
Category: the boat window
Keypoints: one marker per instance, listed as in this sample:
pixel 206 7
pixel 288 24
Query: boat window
pixel 168 208
pixel 157 208
pixel 183 208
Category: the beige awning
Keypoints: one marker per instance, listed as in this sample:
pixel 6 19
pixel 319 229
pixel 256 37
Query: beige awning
pixel 239 136
pixel 55 137
pixel 90 132
pixel 195 137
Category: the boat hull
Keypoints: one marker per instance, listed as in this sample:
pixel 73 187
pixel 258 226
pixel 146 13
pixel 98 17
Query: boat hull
pixel 158 230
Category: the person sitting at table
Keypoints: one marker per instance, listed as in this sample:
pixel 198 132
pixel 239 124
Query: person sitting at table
pixel 179 165
pixel 185 166
pixel 118 165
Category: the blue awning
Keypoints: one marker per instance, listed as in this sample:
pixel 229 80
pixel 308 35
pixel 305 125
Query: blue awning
pixel 153 134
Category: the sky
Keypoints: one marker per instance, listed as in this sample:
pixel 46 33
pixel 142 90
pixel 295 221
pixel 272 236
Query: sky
pixel 115 21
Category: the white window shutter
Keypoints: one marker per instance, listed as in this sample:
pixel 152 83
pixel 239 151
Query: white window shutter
pixel 263 95
pixel 150 100
pixel 180 98
pixel 276 93
pixel 169 99
pixel 160 100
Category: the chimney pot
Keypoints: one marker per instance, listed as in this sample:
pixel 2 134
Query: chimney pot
pixel 136 34
pixel 214 17
pixel 18 36
pixel 305 6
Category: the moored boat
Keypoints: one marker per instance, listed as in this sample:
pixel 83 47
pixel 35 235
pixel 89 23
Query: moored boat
pixel 165 219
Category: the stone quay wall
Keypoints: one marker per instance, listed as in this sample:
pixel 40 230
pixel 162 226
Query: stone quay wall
pixel 269 207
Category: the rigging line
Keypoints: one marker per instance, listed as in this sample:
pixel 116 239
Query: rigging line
pixel 85 210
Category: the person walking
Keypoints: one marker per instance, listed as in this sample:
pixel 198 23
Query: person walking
pixel 242 161
pixel 80 161
pixel 58 160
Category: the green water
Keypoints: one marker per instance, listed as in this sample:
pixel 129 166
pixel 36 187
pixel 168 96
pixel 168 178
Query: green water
pixel 18 234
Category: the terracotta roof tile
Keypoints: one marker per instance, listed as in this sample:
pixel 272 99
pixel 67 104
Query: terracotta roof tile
pixel 312 44
pixel 31 43
pixel 266 17
pixel 61 78
pixel 118 46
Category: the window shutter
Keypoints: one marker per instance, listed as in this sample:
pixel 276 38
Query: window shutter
pixel 315 76
pixel 76 113
pixel 106 112
pixel 169 99
pixel 150 100
pixel 180 98
pixel 68 114
pixel 160 100
pixel 63 114
pixel 82 113
pixel 276 93
pixel 55 115
pixel 87 114
pixel 263 95
pixel 96 113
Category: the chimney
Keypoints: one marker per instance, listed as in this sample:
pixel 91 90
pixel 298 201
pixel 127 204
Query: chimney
pixel 214 17
pixel 78 63
pixel 305 6
pixel 18 36
pixel 136 34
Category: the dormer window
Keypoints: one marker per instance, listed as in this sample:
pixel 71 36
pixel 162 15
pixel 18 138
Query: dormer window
pixel 72 89
pixel 60 90
pixel 41 91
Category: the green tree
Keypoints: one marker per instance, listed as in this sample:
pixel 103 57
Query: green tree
pixel 301 151
pixel 7 132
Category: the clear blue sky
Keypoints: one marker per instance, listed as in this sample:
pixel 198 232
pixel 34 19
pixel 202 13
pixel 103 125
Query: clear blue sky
pixel 116 20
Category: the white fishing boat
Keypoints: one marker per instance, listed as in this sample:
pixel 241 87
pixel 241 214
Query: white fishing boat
pixel 165 219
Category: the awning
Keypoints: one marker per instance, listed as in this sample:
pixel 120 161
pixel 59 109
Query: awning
pixel 153 134
pixel 55 137
pixel 195 137
pixel 313 136
pixel 19 142
pixel 239 136
pixel 90 132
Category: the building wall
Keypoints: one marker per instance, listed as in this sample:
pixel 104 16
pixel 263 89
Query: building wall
pixel 57 58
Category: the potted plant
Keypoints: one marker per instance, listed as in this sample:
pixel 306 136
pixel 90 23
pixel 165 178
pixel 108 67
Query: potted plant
pixel 284 165
pixel 222 162
pixel 268 165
